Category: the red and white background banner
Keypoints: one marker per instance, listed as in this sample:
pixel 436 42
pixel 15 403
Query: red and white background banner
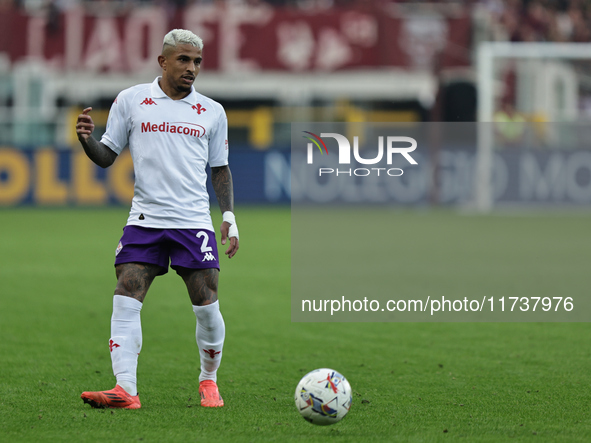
pixel 241 38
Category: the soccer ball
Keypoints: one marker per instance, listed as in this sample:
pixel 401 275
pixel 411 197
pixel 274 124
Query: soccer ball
pixel 323 397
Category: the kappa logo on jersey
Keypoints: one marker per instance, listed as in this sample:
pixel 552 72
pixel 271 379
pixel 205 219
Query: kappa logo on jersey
pixel 148 101
pixel 212 352
pixel 112 345
pixel 208 257
pixel 198 108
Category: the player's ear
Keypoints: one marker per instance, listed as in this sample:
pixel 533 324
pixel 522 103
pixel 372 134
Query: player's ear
pixel 162 61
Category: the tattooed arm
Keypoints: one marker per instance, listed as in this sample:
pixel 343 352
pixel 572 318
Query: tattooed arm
pixel 221 178
pixel 99 153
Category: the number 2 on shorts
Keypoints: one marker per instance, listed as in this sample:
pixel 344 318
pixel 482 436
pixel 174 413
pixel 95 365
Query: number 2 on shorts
pixel 204 247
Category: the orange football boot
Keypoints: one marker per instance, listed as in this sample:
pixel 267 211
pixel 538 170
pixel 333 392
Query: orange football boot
pixel 210 395
pixel 115 398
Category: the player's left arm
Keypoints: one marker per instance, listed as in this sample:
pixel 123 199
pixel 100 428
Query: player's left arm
pixel 221 179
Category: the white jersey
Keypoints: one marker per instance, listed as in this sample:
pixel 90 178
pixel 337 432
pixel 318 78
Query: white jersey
pixel 171 142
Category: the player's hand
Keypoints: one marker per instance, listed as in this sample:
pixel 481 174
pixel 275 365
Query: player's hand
pixel 234 244
pixel 84 125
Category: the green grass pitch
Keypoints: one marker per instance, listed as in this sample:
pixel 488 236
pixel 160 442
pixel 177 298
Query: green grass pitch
pixel 412 382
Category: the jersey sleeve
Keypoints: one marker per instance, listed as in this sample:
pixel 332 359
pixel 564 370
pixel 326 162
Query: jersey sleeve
pixel 116 137
pixel 218 142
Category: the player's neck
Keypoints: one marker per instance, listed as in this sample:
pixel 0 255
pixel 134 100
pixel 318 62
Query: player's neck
pixel 171 92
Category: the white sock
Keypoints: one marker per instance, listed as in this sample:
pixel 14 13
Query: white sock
pixel 210 335
pixel 126 341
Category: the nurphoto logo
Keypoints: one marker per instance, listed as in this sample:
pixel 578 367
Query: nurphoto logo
pixel 394 145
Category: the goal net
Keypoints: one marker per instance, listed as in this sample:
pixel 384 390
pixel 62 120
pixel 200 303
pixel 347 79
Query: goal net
pixel 534 114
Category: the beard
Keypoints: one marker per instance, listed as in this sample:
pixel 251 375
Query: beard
pixel 183 88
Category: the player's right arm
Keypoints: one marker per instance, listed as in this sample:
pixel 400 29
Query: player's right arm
pixel 98 152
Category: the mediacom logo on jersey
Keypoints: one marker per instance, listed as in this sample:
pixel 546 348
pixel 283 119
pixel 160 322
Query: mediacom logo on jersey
pixel 193 130
pixel 344 157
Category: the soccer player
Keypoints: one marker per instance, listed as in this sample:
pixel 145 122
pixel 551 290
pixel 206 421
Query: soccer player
pixel 172 132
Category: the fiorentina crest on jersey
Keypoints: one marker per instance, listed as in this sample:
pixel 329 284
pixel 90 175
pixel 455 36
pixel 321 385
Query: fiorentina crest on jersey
pixel 199 108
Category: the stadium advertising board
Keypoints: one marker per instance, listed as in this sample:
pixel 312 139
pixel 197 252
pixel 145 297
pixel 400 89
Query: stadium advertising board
pixel 59 177
pixel 522 177
pixel 54 177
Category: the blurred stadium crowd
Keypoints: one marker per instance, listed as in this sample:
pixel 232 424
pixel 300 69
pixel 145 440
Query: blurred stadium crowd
pixel 539 20
pixel 508 20
pixel 414 47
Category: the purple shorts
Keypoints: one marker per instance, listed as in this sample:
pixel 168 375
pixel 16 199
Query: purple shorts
pixel 187 248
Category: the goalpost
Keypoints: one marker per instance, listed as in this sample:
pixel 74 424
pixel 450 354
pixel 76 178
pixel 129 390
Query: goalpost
pixel 550 80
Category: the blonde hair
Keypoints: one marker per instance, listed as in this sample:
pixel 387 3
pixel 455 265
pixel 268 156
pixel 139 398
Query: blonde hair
pixel 180 36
